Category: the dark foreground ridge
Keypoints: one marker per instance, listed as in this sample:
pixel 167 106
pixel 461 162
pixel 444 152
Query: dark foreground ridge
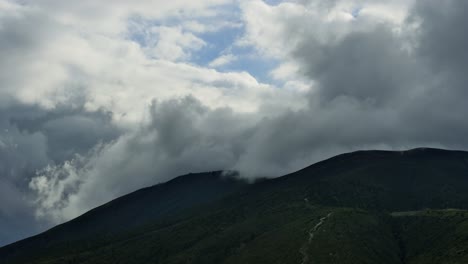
pixel 360 207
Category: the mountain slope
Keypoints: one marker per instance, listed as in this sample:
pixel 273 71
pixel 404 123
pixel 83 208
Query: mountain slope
pixel 361 207
pixel 157 203
pixel 434 236
pixel 386 180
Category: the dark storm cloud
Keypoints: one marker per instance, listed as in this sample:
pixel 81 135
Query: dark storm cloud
pixel 184 124
pixel 443 38
pixel 69 131
pixel 32 138
pixel 388 93
pixel 368 66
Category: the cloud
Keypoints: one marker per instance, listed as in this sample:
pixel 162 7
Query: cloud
pixel 32 138
pixel 170 43
pixel 121 72
pixel 222 60
pixel 442 40
pixel 110 17
pixel 182 135
pixel 393 76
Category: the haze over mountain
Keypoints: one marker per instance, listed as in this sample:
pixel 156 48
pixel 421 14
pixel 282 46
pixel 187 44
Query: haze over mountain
pixel 101 98
pixel 361 207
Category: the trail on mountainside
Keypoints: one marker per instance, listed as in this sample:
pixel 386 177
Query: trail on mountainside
pixel 304 248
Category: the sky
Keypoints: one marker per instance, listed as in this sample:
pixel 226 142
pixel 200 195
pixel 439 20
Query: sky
pixel 100 98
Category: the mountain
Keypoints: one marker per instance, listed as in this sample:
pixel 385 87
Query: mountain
pixel 360 207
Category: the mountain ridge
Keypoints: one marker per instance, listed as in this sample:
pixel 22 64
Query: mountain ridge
pixel 362 187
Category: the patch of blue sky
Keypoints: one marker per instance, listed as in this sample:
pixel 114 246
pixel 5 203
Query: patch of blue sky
pixel 223 42
pixel 136 26
pixel 218 42
pixel 227 17
pixel 356 11
pixel 248 60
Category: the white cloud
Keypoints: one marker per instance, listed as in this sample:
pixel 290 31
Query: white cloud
pixel 109 17
pixel 170 43
pixel 276 30
pixel 222 60
pixel 55 184
pixel 285 70
pixel 217 24
pixel 118 73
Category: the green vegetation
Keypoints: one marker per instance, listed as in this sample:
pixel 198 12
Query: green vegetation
pixel 364 207
pixel 435 236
